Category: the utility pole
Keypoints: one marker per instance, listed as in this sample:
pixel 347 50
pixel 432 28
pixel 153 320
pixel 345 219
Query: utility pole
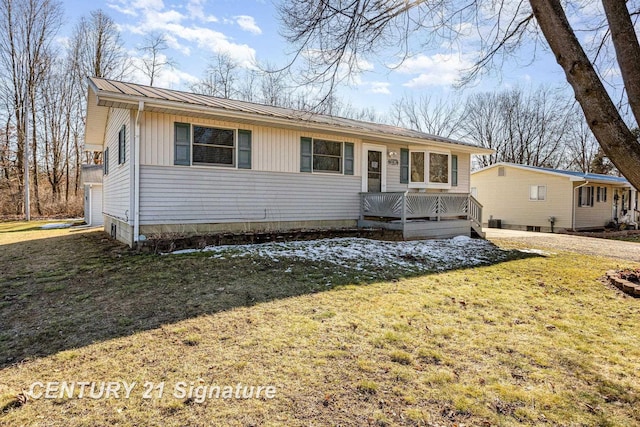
pixel 27 202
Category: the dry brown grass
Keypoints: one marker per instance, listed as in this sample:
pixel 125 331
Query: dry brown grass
pixel 530 341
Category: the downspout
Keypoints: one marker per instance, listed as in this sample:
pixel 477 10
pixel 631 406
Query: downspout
pixel 573 204
pixel 136 176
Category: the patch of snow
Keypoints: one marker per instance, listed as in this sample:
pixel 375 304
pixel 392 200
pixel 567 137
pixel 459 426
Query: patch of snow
pixel 55 225
pixel 371 255
pixel 536 251
pixel 184 251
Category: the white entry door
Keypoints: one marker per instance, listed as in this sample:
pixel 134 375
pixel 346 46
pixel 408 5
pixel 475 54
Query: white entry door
pixel 374 168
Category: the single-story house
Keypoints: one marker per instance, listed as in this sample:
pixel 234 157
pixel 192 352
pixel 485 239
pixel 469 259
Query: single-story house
pixel 178 162
pixel 92 183
pixel 541 199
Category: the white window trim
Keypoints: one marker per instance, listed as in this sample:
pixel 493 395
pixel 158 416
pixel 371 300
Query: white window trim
pixel 427 183
pixel 538 199
pixel 211 165
pixel 364 167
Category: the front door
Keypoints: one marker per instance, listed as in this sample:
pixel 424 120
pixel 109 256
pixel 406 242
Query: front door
pixel 374 170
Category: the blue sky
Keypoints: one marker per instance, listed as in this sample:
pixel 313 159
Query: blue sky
pixel 248 30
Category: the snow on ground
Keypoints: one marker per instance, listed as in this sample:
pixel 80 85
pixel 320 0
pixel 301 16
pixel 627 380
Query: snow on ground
pixel 55 225
pixel 366 254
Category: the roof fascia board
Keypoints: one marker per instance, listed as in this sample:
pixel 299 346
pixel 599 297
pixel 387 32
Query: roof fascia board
pixel 134 102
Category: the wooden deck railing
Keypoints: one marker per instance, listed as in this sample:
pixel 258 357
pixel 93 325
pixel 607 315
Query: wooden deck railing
pixel 411 205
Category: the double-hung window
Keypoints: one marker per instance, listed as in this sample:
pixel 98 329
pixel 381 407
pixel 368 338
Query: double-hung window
pixel 214 146
pixel 208 145
pixel 585 196
pixel 537 192
pixel 322 155
pixel 601 194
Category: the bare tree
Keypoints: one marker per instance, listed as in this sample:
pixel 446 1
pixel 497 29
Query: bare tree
pixel 428 114
pixel 530 128
pixel 99 48
pixel 153 60
pixel 27 29
pixel 582 147
pixel 333 36
pixel 220 77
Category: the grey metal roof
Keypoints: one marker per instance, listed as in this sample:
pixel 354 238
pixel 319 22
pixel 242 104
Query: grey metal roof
pixel 582 175
pixel 572 175
pixel 105 87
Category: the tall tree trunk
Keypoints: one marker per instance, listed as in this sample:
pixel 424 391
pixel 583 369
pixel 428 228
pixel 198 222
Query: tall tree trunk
pixel 34 153
pixel 603 118
pixel 627 49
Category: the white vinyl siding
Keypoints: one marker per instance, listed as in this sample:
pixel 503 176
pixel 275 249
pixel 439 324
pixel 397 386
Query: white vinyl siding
pixel 508 197
pixel 537 193
pixel 171 195
pixel 117 189
pixel 272 149
pixel 596 215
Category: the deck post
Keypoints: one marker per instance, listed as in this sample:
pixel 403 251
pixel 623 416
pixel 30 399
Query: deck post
pixel 404 209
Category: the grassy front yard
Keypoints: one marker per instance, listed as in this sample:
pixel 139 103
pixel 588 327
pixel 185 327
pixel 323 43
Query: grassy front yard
pixel 527 340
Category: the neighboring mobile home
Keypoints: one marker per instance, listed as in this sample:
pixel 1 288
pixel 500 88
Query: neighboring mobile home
pixel 177 162
pixel 541 199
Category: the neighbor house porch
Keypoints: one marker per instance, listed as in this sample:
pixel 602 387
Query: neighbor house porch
pixel 422 215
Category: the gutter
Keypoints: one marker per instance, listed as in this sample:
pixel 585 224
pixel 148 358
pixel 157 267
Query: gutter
pixel 265 119
pixel 573 204
pixel 136 175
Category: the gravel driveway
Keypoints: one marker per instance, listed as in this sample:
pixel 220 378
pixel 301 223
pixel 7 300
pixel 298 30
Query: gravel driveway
pixel 585 245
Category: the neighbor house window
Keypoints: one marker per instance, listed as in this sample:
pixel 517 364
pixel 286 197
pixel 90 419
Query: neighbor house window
pixel 213 146
pixel 585 196
pixel 122 148
pixel 501 171
pixel 537 192
pixel 601 194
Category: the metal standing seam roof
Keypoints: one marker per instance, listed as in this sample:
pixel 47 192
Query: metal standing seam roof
pixel 106 87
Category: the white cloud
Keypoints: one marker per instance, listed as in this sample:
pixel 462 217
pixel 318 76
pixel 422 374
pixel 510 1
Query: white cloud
pixel 435 70
pixel 196 11
pixel 180 33
pixel 248 23
pixel 380 88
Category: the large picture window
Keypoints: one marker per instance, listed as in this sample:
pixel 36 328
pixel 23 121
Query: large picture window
pixel 327 156
pixel 213 146
pixel 439 168
pixel 428 169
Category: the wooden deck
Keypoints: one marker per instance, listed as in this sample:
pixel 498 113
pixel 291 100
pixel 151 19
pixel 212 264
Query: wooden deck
pixel 422 215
